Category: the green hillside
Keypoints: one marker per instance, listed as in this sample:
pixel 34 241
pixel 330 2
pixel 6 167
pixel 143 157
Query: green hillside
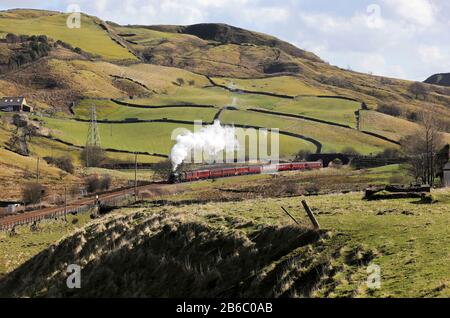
pixel 185 74
pixel 90 37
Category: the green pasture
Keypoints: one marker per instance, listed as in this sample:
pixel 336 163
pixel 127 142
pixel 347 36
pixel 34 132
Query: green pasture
pixel 287 85
pixel 147 137
pixel 388 126
pixel 333 139
pixel 329 109
pixel 108 110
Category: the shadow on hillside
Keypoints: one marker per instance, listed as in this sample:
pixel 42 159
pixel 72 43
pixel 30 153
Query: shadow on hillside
pixel 143 255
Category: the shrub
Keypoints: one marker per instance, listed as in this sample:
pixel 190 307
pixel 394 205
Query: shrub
pixel 180 81
pixel 427 199
pixel 302 155
pixel 93 183
pixel 389 109
pixel 74 191
pixel 12 38
pixel 350 151
pixel 312 188
pixel 413 116
pixel 105 182
pixel 64 163
pixel 291 188
pixel 390 153
pixel 33 193
pixel 417 89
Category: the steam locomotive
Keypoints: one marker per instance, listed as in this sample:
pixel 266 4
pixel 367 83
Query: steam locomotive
pixel 215 173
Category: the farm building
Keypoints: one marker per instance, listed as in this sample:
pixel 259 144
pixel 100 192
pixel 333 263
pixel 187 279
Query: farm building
pixel 14 104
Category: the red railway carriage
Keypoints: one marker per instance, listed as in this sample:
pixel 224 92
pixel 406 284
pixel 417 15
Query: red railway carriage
pixel 217 173
pixel 299 166
pixel 229 172
pixel 314 165
pixel 284 167
pixel 254 170
pixel 240 171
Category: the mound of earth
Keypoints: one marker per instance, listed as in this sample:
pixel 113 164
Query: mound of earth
pixel 165 255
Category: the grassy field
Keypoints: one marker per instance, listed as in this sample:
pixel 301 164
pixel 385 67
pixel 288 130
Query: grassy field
pixel 388 126
pixel 43 147
pixel 406 240
pixel 333 110
pixel 16 250
pixel 90 37
pixel 144 137
pixel 287 85
pixel 333 139
pixel 108 110
pixel 17 170
pixel 209 96
pixel 158 78
pixel 328 109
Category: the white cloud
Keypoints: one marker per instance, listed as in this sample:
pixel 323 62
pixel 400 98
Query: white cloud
pixel 419 12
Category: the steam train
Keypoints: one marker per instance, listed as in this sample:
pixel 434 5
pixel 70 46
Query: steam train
pixel 215 173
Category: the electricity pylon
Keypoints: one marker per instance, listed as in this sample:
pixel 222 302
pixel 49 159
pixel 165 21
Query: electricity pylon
pixel 93 137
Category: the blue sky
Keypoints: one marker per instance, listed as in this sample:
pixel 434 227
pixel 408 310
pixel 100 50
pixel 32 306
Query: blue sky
pixel 399 38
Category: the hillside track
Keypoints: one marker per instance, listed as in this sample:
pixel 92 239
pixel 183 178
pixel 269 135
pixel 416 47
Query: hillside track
pixel 73 206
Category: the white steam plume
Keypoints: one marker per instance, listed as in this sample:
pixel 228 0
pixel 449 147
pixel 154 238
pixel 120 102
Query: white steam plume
pixel 211 140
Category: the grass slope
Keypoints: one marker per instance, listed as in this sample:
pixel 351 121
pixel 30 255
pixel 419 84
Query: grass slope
pixel 333 139
pixel 405 241
pixel 144 137
pixel 108 110
pixel 90 37
pixel 287 85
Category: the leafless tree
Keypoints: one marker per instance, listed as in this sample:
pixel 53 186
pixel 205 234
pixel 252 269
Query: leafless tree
pixel 162 170
pixel 418 89
pixel 422 148
pixel 32 193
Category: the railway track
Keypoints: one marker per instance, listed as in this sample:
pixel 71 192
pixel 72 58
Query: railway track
pixel 9 222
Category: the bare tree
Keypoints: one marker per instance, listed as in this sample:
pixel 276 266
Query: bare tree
pixel 418 89
pixel 162 170
pixel 422 148
pixel 32 193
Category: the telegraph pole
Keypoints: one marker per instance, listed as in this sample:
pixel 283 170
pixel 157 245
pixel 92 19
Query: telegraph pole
pixel 65 203
pixel 135 177
pixel 37 170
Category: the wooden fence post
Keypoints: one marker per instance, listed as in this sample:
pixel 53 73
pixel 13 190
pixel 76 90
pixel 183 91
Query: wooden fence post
pixel 311 215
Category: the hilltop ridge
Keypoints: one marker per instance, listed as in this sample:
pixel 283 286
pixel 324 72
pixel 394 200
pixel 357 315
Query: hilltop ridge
pixel 442 79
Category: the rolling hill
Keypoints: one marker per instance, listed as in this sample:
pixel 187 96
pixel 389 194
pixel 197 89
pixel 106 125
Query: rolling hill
pixel 147 80
pixel 439 79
